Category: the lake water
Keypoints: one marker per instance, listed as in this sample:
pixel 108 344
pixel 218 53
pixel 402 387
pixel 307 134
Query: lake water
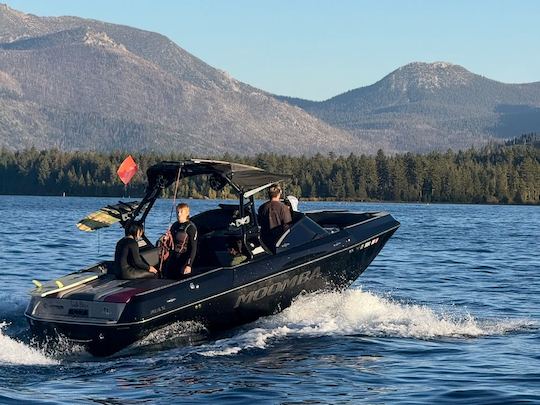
pixel 449 312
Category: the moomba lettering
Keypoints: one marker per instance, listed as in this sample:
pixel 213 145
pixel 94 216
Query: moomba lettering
pixel 278 287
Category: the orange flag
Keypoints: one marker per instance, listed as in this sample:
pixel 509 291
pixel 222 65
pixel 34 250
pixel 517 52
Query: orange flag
pixel 127 170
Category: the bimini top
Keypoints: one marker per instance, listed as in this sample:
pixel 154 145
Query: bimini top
pixel 244 179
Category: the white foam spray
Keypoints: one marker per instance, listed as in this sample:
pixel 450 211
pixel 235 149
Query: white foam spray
pixel 17 353
pixel 360 313
pixel 171 332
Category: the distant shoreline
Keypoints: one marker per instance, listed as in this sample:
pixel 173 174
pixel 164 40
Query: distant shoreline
pixel 494 175
pixel 315 200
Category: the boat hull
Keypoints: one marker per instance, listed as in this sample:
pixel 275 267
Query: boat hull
pixel 220 299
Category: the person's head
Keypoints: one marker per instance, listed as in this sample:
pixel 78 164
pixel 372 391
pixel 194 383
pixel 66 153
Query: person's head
pixel 182 212
pixel 274 192
pixel 134 229
pixel 292 202
pixel 234 247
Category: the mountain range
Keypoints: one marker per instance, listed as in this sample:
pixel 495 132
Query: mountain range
pixel 431 106
pixel 73 83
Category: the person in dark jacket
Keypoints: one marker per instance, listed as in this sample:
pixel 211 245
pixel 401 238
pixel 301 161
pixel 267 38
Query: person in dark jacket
pixel 129 264
pixel 184 234
pixel 274 218
pixel 234 247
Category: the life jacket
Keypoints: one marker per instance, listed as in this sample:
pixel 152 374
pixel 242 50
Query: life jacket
pixel 180 240
pixel 181 244
pixel 166 244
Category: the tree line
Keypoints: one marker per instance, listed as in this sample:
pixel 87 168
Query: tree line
pixel 496 173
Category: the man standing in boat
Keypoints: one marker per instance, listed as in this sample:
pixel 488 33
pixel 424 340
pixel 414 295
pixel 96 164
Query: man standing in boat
pixel 274 218
pixel 184 234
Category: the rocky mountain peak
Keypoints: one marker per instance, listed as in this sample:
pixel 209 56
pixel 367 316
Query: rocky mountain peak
pixel 428 76
pixel 63 85
pixel 15 25
pixel 6 10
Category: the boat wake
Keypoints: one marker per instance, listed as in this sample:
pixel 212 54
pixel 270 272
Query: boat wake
pixel 356 312
pixel 13 349
pixel 171 336
pixel 172 331
pixel 352 312
pixel 15 352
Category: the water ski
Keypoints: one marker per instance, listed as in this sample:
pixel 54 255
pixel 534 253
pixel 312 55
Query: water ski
pixel 63 283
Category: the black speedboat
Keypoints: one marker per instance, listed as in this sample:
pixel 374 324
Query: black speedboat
pixel 321 250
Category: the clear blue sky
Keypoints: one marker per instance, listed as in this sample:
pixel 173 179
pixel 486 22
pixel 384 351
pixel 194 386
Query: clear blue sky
pixel 317 49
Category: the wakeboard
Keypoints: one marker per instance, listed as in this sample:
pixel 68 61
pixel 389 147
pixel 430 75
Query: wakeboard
pixel 107 216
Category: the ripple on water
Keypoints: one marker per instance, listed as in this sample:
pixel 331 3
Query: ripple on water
pixel 447 313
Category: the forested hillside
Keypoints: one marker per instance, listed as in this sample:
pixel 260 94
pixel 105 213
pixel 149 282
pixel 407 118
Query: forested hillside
pixel 494 174
pixel 77 84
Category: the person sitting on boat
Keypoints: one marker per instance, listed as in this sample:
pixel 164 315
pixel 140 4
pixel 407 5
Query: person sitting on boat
pixel 234 247
pixel 274 218
pixel 184 234
pixel 129 264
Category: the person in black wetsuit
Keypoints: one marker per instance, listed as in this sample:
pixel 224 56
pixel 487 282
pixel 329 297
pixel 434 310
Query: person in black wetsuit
pixel 184 234
pixel 129 264
pixel 274 218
